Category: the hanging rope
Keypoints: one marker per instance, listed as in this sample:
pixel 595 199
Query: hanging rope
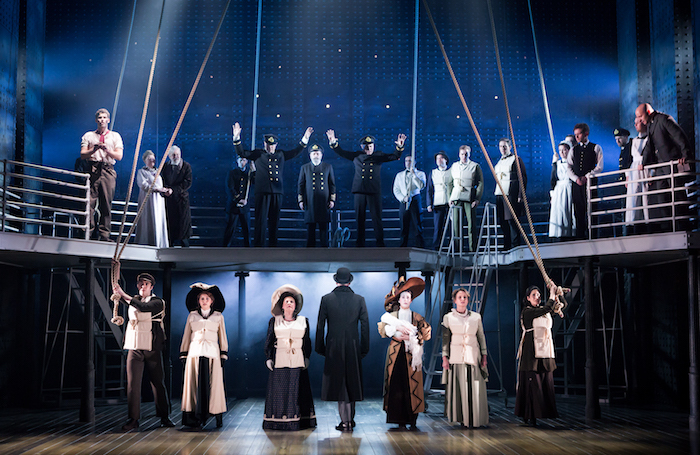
pixel 120 250
pixel 121 73
pixel 538 260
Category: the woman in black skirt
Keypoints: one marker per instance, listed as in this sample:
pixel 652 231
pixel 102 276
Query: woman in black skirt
pixel 288 404
pixel 535 391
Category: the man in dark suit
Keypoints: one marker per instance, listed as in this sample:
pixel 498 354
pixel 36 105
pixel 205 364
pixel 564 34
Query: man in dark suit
pixel 237 207
pixel 316 195
pixel 367 182
pixel 667 142
pixel 583 163
pixel 343 347
pixel 177 178
pixel 269 181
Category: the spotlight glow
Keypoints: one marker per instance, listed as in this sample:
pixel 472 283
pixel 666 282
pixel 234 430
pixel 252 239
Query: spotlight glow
pixel 328 106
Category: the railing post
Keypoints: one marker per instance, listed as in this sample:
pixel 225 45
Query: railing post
pixel 4 193
pixel 588 208
pixel 86 225
pixel 673 196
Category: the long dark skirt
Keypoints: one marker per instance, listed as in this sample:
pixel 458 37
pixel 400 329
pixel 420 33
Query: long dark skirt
pixel 535 395
pixel 288 403
pixel 398 408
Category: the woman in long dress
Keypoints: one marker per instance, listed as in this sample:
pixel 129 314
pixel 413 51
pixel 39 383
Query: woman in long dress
pixel 152 227
pixel 561 213
pixel 536 364
pixel 635 175
pixel 403 372
pixel 204 350
pixel 464 364
pixel 289 404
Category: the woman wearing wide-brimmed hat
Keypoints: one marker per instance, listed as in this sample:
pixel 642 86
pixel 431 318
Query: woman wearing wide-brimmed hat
pixel 464 364
pixel 403 373
pixel 204 350
pixel 288 402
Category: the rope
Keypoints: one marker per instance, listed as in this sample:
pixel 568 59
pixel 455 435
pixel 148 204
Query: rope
pixel 479 140
pixel 121 73
pixel 177 127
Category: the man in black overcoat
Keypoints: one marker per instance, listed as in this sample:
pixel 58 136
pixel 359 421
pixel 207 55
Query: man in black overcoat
pixel 269 181
pixel 667 142
pixel 316 195
pixel 237 207
pixel 367 182
pixel 177 178
pixel 343 347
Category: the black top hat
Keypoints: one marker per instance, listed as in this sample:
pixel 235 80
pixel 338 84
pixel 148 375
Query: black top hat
pixel 192 299
pixel 315 148
pixel 146 276
pixel 366 140
pixel 443 154
pixel 621 132
pixel 343 276
pixel 270 139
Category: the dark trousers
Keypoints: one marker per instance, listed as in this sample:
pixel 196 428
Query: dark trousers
pixel 413 215
pixel 580 202
pixel 311 234
pixel 153 361
pixel 439 219
pixel 267 217
pixel 103 182
pixel 242 217
pixel 374 202
pixel 509 225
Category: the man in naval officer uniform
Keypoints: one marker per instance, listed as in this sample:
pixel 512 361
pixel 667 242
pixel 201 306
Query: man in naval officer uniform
pixel 269 165
pixel 316 195
pixel 438 194
pixel 237 207
pixel 145 339
pixel 367 183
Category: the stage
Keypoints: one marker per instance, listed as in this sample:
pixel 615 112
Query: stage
pixel 620 430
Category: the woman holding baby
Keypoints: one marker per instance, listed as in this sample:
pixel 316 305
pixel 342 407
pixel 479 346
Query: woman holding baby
pixel 464 364
pixel 403 374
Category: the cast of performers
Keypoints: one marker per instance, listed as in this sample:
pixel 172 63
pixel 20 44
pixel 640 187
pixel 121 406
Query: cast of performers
pixel 367 183
pixel 203 351
pixel 177 177
pixel 507 173
pixel 145 340
pixel 237 207
pixel 316 195
pixel 439 191
pixel 101 148
pixel 562 223
pixel 342 346
pixel 407 187
pixel 269 181
pixel 152 228
pixel 403 372
pixel 467 190
pixel 536 364
pixel 288 403
pixel 464 364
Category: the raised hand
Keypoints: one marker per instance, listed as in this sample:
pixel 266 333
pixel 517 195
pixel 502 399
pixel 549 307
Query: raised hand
pixel 236 131
pixel 307 135
pixel 400 140
pixel 331 136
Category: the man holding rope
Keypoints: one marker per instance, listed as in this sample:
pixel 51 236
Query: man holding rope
pixel 102 149
pixel 269 163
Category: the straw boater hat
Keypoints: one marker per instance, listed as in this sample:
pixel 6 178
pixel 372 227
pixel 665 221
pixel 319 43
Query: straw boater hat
pixel 414 285
pixel 192 299
pixel 282 292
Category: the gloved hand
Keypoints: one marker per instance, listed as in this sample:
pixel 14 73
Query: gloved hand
pixel 306 363
pixel 269 364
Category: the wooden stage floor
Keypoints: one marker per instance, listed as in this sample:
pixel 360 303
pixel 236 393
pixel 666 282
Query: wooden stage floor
pixel 620 431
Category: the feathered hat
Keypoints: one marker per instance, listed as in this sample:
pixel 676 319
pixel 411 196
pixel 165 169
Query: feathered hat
pixel 414 285
pixel 192 299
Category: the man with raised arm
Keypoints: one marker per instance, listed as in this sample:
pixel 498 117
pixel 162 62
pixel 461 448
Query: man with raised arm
pixel 367 182
pixel 102 149
pixel 269 187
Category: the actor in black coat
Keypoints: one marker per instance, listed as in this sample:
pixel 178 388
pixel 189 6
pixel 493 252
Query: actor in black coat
pixel 237 206
pixel 316 195
pixel 343 347
pixel 269 181
pixel 177 176
pixel 367 181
